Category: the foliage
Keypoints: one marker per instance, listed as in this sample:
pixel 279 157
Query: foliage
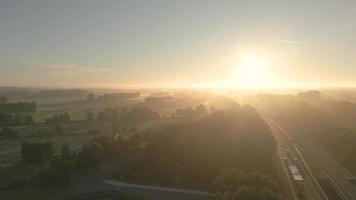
pixel 247 193
pixel 62 118
pixel 20 107
pixel 59 172
pixel 89 156
pixel 234 184
pixel 3 100
pixel 234 138
pixel 37 152
pixel 90 116
pixel 106 195
pixel 66 152
pixel 324 122
pixel 58 129
pixel 61 93
pixel 136 114
pixel 15 119
pixel 199 111
pixel 7 133
pixel 117 96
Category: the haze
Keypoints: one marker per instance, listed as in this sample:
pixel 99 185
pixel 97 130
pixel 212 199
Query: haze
pixel 86 43
pixel 177 100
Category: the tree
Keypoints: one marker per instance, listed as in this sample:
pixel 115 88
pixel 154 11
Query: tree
pixel 7 133
pixel 37 152
pixel 59 172
pixel 237 185
pixel 65 152
pixel 65 117
pixel 89 156
pixel 5 119
pixel 4 99
pixel 62 118
pixel 19 107
pixel 58 129
pixel 90 116
pixel 29 120
pixel 91 97
pixel 201 110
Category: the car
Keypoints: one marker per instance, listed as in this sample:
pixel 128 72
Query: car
pixel 352 180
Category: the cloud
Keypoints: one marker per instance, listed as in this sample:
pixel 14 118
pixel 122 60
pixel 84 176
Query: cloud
pixel 292 42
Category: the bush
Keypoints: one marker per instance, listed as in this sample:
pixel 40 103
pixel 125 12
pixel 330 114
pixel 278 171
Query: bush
pixel 60 172
pixel 236 185
pixel 37 152
pixel 7 133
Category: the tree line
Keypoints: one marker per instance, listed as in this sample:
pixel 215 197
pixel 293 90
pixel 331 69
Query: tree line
pixel 136 114
pixel 228 152
pixel 15 114
pixel 19 107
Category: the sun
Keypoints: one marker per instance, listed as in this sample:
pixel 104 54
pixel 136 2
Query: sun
pixel 251 72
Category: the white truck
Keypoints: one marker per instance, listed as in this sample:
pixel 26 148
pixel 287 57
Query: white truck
pixel 298 180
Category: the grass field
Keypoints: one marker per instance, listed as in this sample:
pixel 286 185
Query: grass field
pixel 77 107
pixel 75 135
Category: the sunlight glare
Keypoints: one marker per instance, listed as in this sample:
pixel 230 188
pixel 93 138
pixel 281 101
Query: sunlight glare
pixel 251 72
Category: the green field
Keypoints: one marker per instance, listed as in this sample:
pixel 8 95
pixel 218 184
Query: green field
pixel 77 108
pixel 75 134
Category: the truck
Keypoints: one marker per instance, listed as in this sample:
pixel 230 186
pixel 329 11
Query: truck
pixel 298 180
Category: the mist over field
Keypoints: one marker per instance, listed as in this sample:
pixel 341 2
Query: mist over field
pixel 177 100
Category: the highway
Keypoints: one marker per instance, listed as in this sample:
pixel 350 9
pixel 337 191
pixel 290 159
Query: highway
pixel 313 190
pixel 336 172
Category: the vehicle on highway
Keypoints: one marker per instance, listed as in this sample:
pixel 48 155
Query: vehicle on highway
pixel 352 180
pixel 298 180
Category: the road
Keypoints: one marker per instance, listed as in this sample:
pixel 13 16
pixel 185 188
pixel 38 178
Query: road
pixel 93 185
pixel 312 189
pixel 157 192
pixel 334 170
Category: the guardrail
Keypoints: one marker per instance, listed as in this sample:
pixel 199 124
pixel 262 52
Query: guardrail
pixel 342 194
pixel 308 170
pixel 339 190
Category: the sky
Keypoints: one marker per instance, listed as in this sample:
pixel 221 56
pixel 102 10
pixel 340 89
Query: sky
pixel 167 43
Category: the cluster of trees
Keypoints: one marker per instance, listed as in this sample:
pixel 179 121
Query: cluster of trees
pixel 14 114
pixel 136 114
pixel 189 155
pixel 199 111
pixel 233 184
pixel 173 101
pixel 7 133
pixel 308 116
pixel 313 95
pixel 198 150
pixel 59 170
pixel 57 119
pixel 293 113
pixel 3 100
pixel 341 143
pixel 37 152
pixel 15 119
pixel 113 96
pixel 62 93
pixel 20 107
pixel 63 168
